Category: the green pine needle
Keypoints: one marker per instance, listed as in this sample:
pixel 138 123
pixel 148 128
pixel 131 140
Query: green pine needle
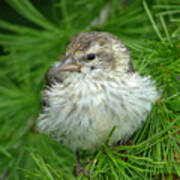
pixel 150 29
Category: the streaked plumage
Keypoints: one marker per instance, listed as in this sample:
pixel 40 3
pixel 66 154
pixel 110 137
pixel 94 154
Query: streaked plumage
pixel 84 100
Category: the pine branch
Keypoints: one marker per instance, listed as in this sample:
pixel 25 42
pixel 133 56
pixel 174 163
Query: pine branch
pixel 151 30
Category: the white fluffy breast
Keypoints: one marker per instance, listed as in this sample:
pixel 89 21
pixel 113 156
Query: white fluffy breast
pixel 83 111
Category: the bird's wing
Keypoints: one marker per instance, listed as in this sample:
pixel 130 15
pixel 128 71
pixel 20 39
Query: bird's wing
pixel 50 78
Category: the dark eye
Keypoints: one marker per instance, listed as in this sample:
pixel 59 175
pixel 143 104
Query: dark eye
pixel 91 56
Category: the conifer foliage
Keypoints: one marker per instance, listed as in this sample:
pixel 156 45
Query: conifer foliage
pixel 33 39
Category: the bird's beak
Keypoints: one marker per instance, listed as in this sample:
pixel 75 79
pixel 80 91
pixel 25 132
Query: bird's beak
pixel 69 64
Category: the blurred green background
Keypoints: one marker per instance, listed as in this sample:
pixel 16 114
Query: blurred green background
pixel 34 33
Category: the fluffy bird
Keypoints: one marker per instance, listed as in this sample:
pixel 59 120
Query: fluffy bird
pixel 93 89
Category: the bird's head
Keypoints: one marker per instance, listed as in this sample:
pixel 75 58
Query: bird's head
pixel 90 53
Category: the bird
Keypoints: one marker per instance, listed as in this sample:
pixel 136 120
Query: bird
pixel 92 89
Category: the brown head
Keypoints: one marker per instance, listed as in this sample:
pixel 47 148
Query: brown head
pixel 90 52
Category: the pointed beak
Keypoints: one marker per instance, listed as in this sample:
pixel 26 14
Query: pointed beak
pixel 69 64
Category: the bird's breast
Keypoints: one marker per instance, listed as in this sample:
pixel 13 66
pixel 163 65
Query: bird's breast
pixel 82 113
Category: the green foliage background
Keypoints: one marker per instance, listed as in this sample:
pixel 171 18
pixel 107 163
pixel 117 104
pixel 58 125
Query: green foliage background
pixel 34 35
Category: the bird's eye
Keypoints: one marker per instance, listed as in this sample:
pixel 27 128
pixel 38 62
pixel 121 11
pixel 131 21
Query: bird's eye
pixel 91 56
